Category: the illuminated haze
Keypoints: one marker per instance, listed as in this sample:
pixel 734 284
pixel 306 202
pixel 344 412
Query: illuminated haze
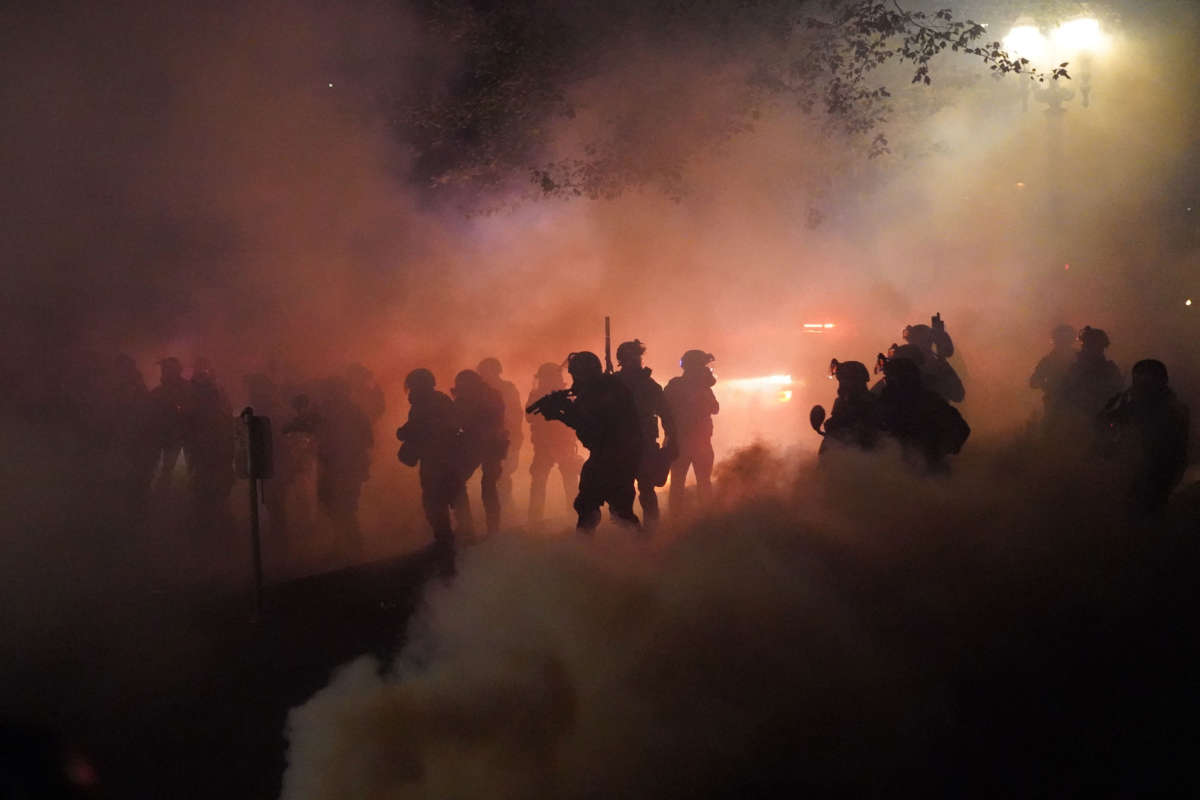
pixel 187 182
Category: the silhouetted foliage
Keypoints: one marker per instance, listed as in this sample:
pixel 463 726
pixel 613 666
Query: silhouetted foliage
pixel 493 118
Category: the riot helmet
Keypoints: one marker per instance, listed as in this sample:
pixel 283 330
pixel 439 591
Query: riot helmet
pixel 631 352
pixel 420 380
pixel 584 366
pixel 1093 340
pixel 490 368
pixel 850 372
pixel 696 359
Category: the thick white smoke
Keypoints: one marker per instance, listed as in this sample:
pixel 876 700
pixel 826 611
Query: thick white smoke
pixel 817 630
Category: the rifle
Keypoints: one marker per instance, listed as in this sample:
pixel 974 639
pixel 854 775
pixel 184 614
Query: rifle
pixel 551 405
pixel 607 347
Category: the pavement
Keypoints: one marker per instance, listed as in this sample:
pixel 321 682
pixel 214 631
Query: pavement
pixel 185 695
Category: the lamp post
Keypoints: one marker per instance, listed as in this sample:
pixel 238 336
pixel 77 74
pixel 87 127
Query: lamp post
pixel 1074 42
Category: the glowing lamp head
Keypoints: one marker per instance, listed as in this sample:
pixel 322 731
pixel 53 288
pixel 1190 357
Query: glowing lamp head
pixel 1025 41
pixel 1080 36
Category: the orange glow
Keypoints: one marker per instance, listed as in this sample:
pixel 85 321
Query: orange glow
pixel 818 327
pixel 765 383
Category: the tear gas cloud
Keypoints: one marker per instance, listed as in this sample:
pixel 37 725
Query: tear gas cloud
pixel 187 181
pixel 797 638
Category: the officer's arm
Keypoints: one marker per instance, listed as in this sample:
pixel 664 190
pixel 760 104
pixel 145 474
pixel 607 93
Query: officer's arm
pixel 1038 380
pixel 716 407
pixel 665 415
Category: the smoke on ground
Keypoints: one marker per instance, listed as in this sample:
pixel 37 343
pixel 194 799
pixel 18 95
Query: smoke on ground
pixel 849 629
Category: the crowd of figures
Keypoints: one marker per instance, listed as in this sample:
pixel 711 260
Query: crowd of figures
pixel 180 437
pixel 616 416
pixel 1087 406
pixel 176 442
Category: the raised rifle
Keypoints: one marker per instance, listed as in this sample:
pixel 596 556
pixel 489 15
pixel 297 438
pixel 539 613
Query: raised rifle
pixel 881 362
pixel 551 405
pixel 608 368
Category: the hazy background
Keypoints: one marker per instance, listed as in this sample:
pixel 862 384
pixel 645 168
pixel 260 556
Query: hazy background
pixel 232 182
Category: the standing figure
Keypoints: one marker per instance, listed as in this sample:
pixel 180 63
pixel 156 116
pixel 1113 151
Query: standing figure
pixel 344 441
pixel 483 442
pixel 170 408
pixel 931 347
pixel 927 427
pixel 1051 372
pixel 1147 428
pixel 648 397
pixel 490 370
pixel 134 450
pixel 295 459
pixel 553 445
pixel 1089 383
pixel 430 442
pixel 605 420
pixel 692 405
pixel 854 421
pixel 365 392
pixel 210 444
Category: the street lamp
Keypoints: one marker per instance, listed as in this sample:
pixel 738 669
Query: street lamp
pixel 1076 38
pixel 1025 41
pixel 1073 42
pixel 1081 35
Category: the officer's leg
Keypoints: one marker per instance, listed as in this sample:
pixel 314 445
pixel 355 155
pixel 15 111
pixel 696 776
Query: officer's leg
pixel 464 522
pixel 620 501
pixel 568 469
pixel 649 500
pixel 702 463
pixel 508 468
pixel 679 471
pixel 489 483
pixel 170 456
pixel 539 473
pixel 437 493
pixel 590 498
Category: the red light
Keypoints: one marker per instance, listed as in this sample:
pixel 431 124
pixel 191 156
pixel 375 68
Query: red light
pixel 1066 266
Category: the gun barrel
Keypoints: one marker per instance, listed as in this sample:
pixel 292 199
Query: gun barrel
pixel 608 366
pixel 547 401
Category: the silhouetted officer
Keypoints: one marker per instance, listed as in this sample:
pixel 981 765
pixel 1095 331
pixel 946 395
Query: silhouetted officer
pixel 1089 383
pixel 1147 427
pixel 1051 371
pixel 430 438
pixel 553 445
pixel 344 441
pixel 490 370
pixel 927 427
pixel 134 451
pixel 170 407
pixel 295 454
pixel 648 397
pixel 483 441
pixel 692 404
pixel 210 443
pixel 854 421
pixel 929 347
pixel 605 420
pixel 365 392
